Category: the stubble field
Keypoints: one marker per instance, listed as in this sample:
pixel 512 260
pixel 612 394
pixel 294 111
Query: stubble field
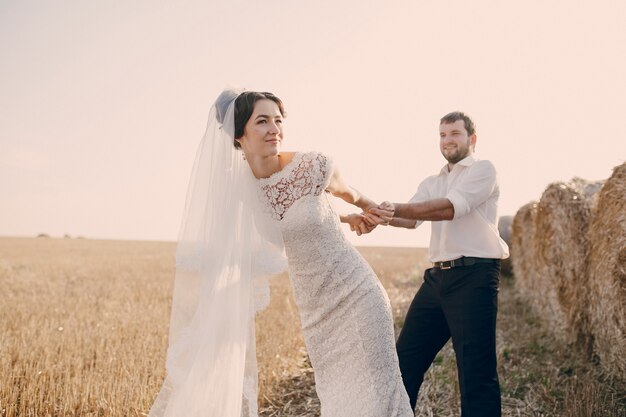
pixel 84 333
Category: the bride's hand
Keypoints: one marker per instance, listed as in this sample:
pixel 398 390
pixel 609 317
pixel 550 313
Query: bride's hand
pixel 358 224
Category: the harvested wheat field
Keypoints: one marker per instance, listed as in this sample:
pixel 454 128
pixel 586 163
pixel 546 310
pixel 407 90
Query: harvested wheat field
pixel 84 332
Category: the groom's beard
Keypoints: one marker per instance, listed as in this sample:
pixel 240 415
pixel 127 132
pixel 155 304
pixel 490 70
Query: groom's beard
pixel 458 154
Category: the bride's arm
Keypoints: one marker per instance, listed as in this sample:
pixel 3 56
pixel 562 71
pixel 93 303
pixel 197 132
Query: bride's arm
pixel 339 188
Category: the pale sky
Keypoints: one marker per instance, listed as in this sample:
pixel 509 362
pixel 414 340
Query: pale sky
pixel 103 104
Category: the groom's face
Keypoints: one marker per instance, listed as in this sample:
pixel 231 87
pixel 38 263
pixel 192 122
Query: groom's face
pixel 455 144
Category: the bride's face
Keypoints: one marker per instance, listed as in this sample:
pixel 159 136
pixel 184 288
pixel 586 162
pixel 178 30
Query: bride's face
pixel 263 133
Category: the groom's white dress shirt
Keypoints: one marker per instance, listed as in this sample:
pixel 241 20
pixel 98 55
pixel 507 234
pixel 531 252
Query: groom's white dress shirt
pixel 473 190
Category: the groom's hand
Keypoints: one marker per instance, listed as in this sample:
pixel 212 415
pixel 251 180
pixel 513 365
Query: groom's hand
pixel 381 215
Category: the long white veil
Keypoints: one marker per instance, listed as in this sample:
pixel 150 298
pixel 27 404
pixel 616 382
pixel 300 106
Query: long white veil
pixel 227 247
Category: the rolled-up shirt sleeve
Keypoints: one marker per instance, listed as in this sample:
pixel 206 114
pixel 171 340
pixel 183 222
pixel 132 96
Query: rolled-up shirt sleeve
pixel 473 189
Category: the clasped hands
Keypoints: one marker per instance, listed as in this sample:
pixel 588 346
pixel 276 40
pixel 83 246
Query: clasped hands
pixel 365 222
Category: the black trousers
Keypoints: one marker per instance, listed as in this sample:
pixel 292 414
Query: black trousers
pixel 461 303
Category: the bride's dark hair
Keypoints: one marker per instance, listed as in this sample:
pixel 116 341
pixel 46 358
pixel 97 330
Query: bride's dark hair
pixel 244 106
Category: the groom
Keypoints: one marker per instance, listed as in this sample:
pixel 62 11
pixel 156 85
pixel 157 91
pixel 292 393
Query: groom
pixel 458 298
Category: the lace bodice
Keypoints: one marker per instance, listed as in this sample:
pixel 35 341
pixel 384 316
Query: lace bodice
pixel 308 174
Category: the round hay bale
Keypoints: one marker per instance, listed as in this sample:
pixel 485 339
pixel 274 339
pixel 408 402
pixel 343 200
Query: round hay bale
pixel 562 249
pixel 505 224
pixel 607 268
pixel 523 250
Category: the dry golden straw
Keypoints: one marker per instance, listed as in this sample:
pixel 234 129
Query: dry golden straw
pixel 562 249
pixel 607 268
pixel 569 259
pixel 523 252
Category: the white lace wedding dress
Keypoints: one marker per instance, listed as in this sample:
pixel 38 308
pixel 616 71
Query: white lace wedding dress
pixel 345 313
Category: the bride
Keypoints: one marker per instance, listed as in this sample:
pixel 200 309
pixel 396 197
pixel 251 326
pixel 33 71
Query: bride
pixel 249 206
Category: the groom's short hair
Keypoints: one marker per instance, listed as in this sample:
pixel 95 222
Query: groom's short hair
pixel 459 115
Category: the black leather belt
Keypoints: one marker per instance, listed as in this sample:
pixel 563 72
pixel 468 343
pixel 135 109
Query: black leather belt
pixel 464 261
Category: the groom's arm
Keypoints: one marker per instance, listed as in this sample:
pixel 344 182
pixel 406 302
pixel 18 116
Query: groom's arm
pixel 408 214
pixel 432 210
pixel 377 220
pixel 421 207
pixel 398 222
pixel 467 194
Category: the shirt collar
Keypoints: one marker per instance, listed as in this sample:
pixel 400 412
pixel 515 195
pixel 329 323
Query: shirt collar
pixel 465 162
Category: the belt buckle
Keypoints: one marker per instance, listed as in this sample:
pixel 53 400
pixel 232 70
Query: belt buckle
pixel 445 267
